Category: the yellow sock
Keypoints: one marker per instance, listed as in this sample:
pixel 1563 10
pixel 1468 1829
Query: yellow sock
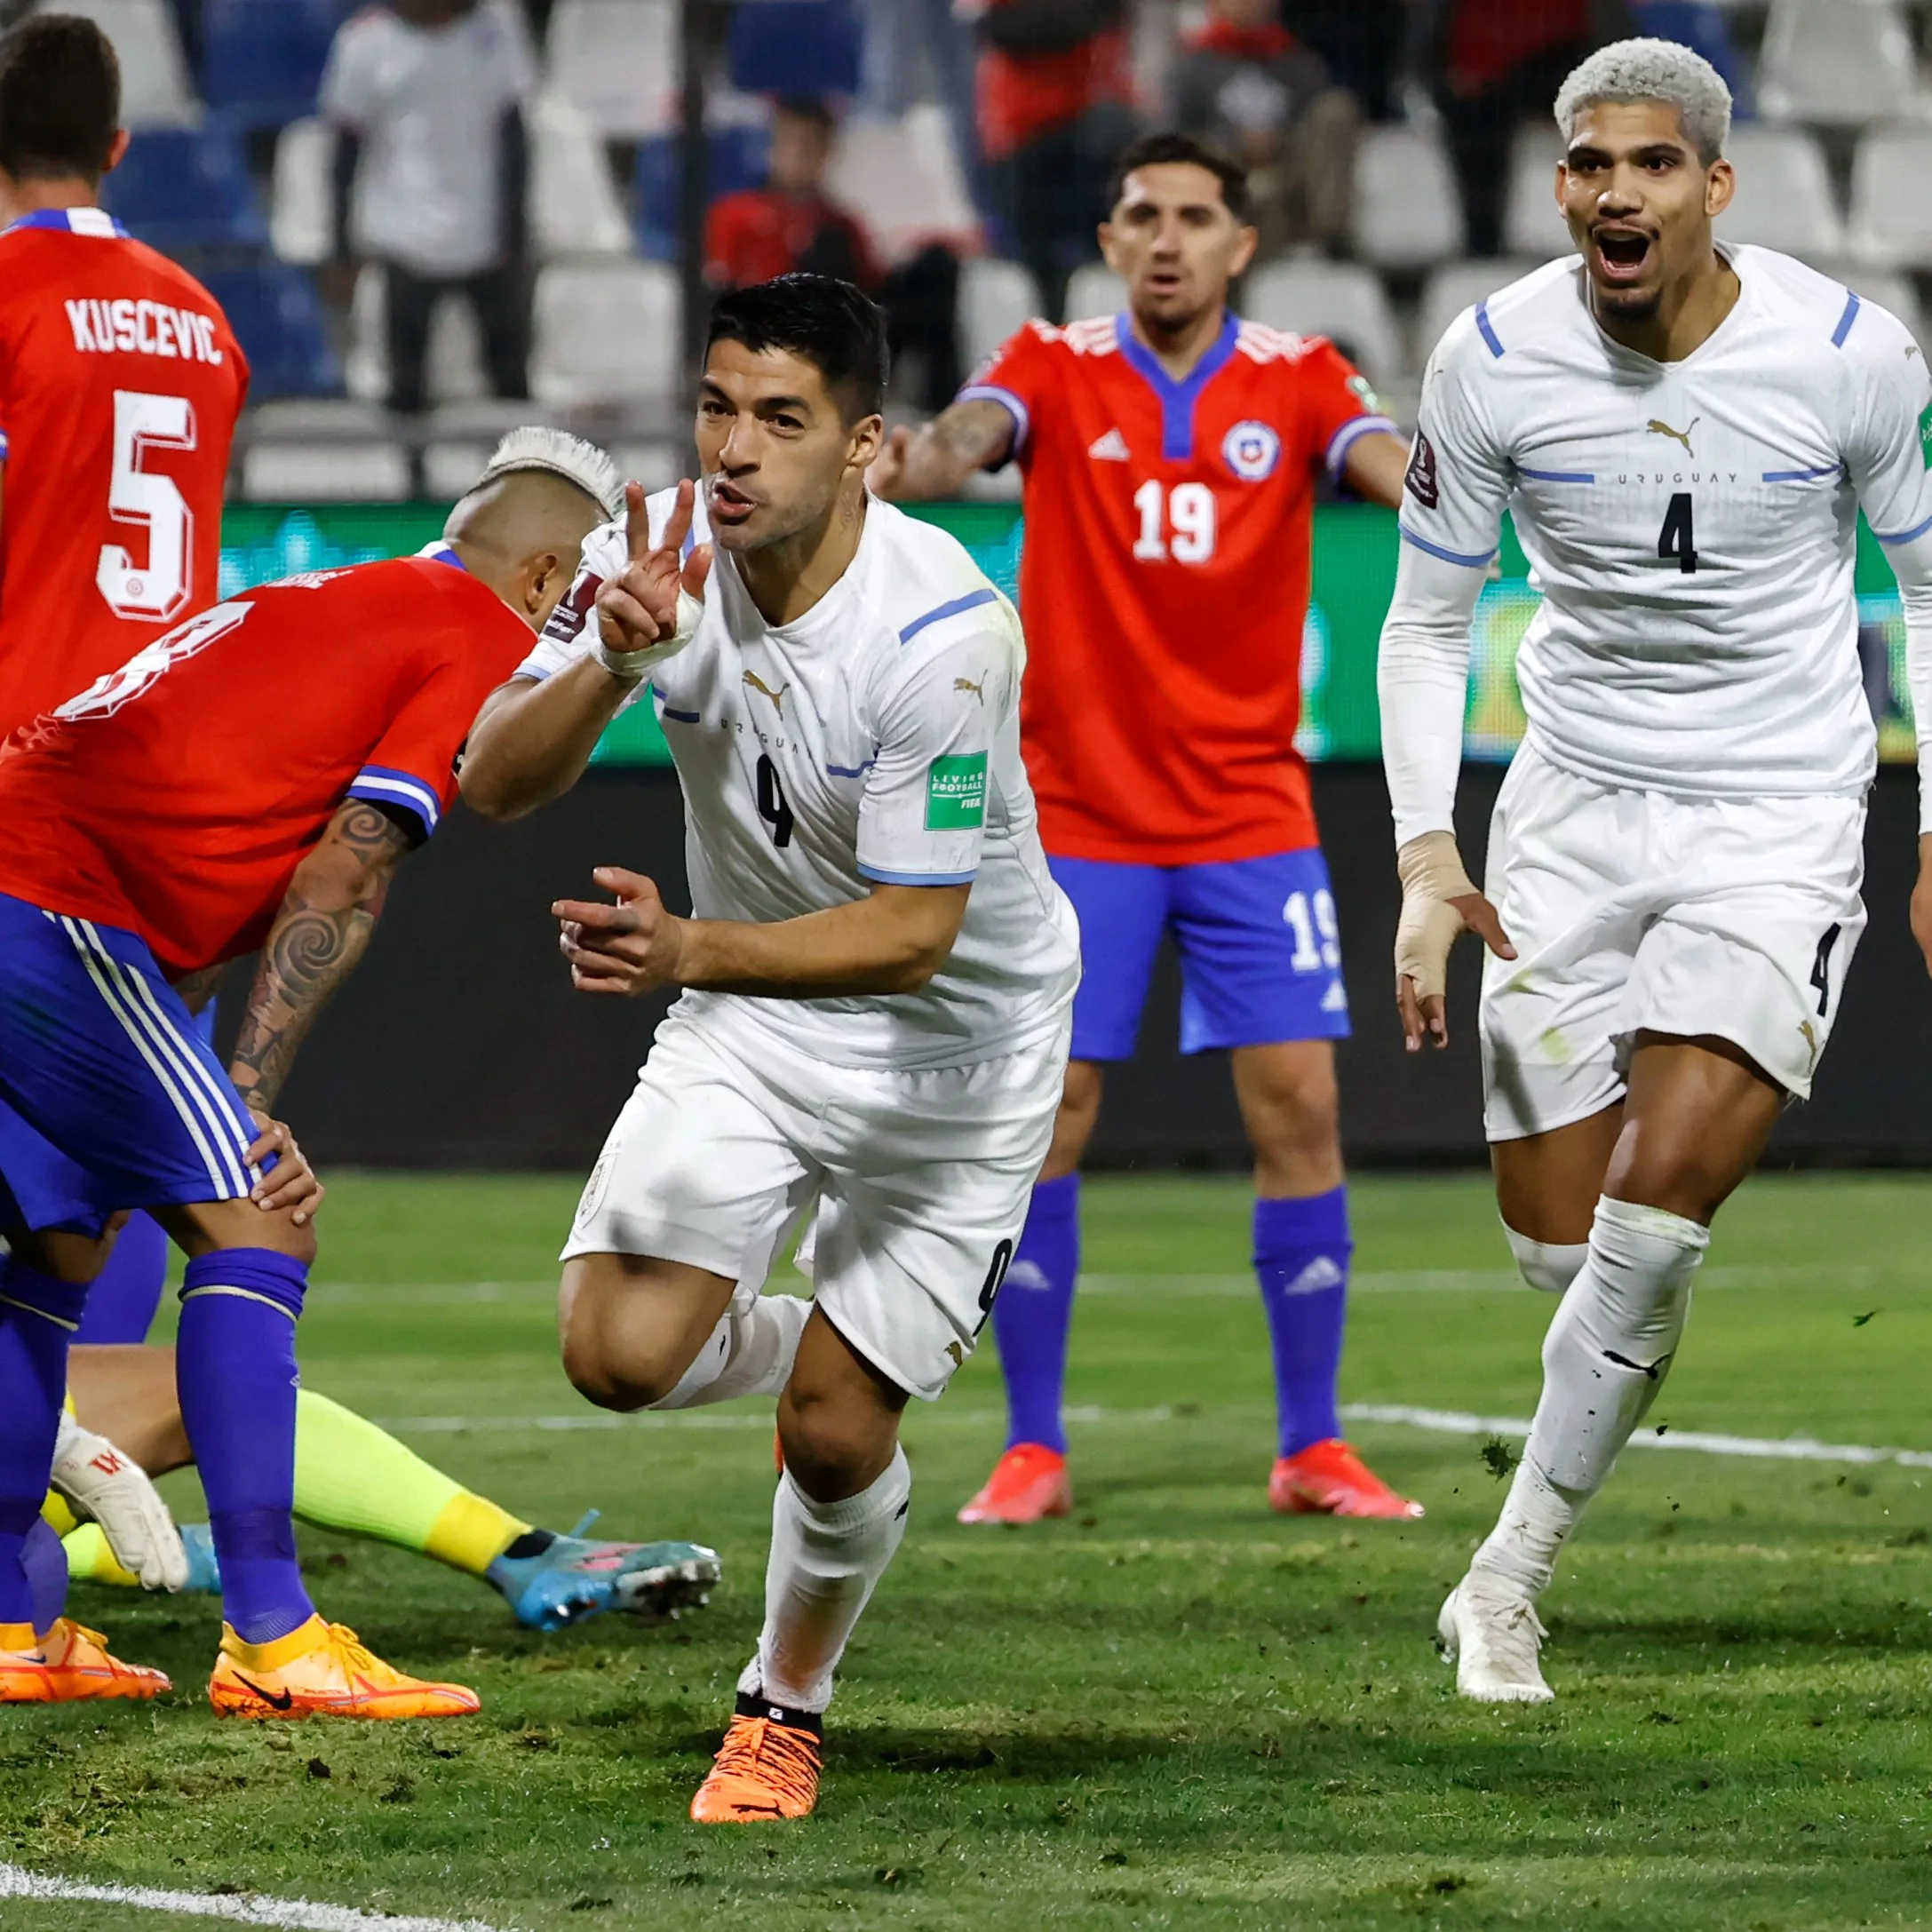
pixel 57 1516
pixel 91 1561
pixel 349 1474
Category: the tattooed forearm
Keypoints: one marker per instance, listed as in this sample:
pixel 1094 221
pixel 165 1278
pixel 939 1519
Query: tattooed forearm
pixel 323 929
pixel 970 434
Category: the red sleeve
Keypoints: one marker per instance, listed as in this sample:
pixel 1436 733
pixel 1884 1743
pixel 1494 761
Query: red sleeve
pixel 1337 403
pixel 412 769
pixel 1019 377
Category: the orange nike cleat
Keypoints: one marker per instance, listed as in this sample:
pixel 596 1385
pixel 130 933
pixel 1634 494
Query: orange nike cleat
pixel 1029 1482
pixel 766 1769
pixel 1330 1479
pixel 321 1670
pixel 68 1664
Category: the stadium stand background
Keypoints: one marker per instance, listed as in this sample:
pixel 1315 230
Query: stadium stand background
pixel 230 170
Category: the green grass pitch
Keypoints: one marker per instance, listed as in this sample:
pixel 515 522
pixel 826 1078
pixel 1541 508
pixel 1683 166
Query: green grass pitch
pixel 1172 1709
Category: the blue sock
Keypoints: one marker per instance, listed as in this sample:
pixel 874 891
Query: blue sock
pixel 234 1369
pixel 1034 1310
pixel 122 1297
pixel 1301 1251
pixel 38 1315
pixel 46 1565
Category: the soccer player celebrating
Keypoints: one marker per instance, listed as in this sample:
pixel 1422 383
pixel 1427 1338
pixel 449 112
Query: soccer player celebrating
pixel 876 973
pixel 250 779
pixel 1684 433
pixel 120 382
pixel 1171 456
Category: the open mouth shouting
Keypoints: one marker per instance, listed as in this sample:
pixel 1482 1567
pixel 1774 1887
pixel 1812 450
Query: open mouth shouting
pixel 1623 253
pixel 731 503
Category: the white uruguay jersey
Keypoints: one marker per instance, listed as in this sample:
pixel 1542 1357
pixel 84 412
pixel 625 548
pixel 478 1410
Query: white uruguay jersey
pixel 1691 525
pixel 875 739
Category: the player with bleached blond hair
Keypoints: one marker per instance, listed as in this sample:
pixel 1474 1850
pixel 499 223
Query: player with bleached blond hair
pixel 1684 432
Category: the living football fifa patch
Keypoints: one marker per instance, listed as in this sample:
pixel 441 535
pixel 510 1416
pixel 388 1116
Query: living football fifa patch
pixel 1421 477
pixel 1925 435
pixel 955 793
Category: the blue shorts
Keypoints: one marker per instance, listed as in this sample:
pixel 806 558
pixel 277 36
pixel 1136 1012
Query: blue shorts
pixel 1260 956
pixel 110 1096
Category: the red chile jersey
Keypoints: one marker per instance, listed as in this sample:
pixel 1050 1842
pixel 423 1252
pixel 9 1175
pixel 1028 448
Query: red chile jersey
pixel 119 386
pixel 175 797
pixel 1165 581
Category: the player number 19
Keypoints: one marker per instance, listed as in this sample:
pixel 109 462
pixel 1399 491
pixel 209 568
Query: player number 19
pixel 1188 508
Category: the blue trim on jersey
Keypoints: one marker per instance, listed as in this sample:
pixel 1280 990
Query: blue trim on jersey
pixel 57 217
pixel 917 879
pixel 1800 477
pixel 1437 550
pixel 971 600
pixel 441 553
pixel 1845 321
pixel 4 446
pixel 1022 422
pixel 1555 476
pixel 381 784
pixel 682 718
pixel 1904 536
pixel 1177 399
pixel 850 771
pixel 1345 439
pixel 1483 329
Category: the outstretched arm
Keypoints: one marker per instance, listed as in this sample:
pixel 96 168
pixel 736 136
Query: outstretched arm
pixel 323 929
pixel 914 466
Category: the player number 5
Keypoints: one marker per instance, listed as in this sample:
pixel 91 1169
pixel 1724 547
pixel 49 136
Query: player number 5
pixel 159 589
pixel 1190 508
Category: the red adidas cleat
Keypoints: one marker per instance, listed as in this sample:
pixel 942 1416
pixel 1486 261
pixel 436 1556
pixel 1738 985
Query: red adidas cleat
pixel 1330 1479
pixel 1029 1482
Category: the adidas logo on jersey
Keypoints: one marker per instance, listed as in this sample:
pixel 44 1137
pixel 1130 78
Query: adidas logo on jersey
pixel 1111 448
pixel 1319 1274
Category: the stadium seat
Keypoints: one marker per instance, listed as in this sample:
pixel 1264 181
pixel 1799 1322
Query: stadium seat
pixel 1094 288
pixel 901 177
pixel 794 47
pixel 997 299
pixel 325 472
pixel 606 332
pixel 1341 300
pixel 1533 226
pixel 1700 25
pixel 298 200
pixel 575 209
pixel 617 60
pixel 155 90
pixel 262 60
pixel 277 317
pixel 317 419
pixel 1840 63
pixel 1784 198
pixel 1453 288
pixel 737 155
pixel 186 188
pixel 1407 213
pixel 1891 215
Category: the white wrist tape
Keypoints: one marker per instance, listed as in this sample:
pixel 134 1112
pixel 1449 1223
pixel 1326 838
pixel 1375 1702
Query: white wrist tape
pixel 1432 875
pixel 631 665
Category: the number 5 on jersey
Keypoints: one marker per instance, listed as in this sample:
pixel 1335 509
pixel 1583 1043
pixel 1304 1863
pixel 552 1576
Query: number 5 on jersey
pixel 160 588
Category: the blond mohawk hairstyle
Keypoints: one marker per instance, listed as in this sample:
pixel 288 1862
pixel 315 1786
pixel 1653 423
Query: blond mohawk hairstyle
pixel 537 447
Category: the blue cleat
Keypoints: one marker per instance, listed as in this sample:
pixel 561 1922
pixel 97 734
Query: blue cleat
pixel 203 1569
pixel 571 1578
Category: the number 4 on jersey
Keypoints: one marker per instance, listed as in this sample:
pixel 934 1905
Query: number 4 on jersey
pixel 1676 540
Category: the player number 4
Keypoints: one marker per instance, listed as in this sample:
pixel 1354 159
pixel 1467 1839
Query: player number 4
pixel 1676 538
pixel 1188 508
pixel 160 588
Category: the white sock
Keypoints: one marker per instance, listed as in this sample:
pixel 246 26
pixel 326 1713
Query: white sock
pixel 826 1558
pixel 745 1355
pixel 1604 1358
pixel 1549 1267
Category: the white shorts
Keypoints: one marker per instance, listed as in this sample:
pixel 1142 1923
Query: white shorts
pixel 921 1179
pixel 1645 910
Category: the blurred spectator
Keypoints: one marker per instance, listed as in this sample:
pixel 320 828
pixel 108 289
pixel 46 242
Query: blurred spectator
pixel 906 40
pixel 1497 62
pixel 1055 93
pixel 1363 42
pixel 1245 85
pixel 791 223
pixel 426 99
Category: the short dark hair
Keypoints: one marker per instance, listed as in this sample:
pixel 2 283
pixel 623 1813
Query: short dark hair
pixel 1154 150
pixel 835 327
pixel 59 97
pixel 810 108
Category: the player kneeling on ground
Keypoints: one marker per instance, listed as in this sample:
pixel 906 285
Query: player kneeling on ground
pixel 876 976
pixel 1683 435
pixel 249 779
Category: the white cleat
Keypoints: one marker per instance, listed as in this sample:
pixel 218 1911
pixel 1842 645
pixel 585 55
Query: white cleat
pixel 1492 1636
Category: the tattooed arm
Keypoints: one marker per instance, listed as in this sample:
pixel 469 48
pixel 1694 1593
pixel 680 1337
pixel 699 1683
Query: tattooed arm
pixel 323 929
pixel 935 461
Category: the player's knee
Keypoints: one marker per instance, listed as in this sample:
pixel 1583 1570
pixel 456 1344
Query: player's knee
pixel 624 1378
pixel 63 1254
pixel 1298 1120
pixel 833 1450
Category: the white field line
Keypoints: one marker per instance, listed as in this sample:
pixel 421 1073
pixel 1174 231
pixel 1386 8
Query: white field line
pixel 1400 1415
pixel 290 1914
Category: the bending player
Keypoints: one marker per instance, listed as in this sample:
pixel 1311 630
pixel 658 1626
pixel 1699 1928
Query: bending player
pixel 352 1475
pixel 1683 434
pixel 1171 457
pixel 124 873
pixel 120 382
pixel 877 975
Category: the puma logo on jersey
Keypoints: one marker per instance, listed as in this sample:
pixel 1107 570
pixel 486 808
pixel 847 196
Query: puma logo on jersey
pixel 1111 448
pixel 1656 428
pixel 777 697
pixel 966 684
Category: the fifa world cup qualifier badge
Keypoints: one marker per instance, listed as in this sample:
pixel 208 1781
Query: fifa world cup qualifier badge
pixel 1421 477
pixel 955 793
pixel 1925 435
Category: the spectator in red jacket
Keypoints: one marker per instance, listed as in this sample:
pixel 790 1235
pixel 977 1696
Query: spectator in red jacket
pixel 792 224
